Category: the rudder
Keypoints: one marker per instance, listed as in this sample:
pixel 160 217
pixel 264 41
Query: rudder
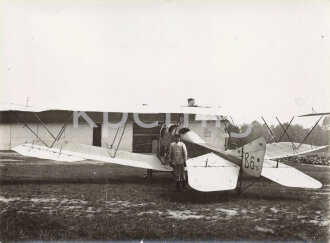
pixel 253 155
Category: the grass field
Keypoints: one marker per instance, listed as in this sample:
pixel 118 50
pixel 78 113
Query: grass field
pixel 45 200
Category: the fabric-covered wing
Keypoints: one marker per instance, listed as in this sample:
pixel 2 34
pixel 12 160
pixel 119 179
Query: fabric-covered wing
pixel 72 152
pixel 210 172
pixel 285 149
pixel 20 107
pixel 287 175
pixel 316 114
pixel 43 152
pixel 116 107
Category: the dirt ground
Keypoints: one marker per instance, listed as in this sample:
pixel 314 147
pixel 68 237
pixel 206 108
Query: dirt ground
pixel 47 200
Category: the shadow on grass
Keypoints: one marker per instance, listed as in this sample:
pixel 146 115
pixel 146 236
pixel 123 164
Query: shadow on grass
pixel 165 188
pixel 196 197
pixel 114 181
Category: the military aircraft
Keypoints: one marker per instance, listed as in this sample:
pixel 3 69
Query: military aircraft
pixel 209 168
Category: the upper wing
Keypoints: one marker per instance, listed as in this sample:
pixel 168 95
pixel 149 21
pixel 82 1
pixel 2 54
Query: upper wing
pixel 120 108
pixel 72 152
pixel 210 172
pixel 286 149
pixel 316 114
pixel 19 107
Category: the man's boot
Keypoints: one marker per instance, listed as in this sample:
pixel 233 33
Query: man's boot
pixel 183 184
pixel 177 184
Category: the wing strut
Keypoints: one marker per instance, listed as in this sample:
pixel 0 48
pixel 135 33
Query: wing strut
pixel 285 132
pixel 43 124
pixel 35 134
pixel 30 129
pixel 294 147
pixel 110 147
pixel 269 130
pixel 115 137
pixel 62 130
pixel 310 131
pixel 120 139
pixel 286 129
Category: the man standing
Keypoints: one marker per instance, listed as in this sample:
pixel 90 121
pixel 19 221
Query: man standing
pixel 178 156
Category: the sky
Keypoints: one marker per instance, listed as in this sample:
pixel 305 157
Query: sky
pixel 251 58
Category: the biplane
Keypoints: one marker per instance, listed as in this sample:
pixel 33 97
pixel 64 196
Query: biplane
pixel 209 168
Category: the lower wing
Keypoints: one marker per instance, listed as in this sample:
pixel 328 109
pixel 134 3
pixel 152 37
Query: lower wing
pixel 72 152
pixel 286 149
pixel 208 172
